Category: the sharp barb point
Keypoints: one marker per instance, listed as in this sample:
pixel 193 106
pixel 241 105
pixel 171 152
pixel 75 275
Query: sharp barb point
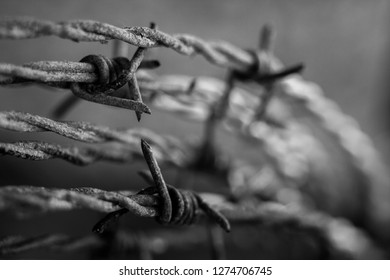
pixel 139 115
pixel 146 110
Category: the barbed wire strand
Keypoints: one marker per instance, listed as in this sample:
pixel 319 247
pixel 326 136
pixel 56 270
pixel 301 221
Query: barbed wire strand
pixel 330 233
pixel 29 200
pixel 122 144
pixel 187 202
pixel 76 130
pixel 88 30
pixel 37 150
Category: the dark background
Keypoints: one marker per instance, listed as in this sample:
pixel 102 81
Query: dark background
pixel 344 45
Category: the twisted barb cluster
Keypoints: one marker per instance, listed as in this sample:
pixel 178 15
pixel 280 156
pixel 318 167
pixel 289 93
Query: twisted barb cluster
pixel 177 207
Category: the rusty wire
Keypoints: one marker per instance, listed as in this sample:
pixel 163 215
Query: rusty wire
pixel 76 130
pixel 336 238
pixel 28 200
pixel 87 30
pixel 144 203
pixel 96 78
pixel 122 145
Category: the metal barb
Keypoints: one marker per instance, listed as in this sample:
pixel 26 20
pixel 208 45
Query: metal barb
pixel 160 185
pixel 134 92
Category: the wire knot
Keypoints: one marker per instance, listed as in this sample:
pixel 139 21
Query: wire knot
pixel 186 208
pixel 107 70
pixel 177 207
pixel 174 207
pixel 112 74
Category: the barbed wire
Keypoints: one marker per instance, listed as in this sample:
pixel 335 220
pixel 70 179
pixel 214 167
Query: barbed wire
pixel 87 30
pixel 57 72
pixel 122 145
pixel 78 130
pixel 334 238
pixel 185 203
pixel 290 150
pixel 38 150
pixel 27 200
pixel 96 78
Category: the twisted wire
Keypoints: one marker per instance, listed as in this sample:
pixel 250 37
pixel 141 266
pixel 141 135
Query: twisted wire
pixel 177 207
pixel 336 238
pixel 186 203
pixel 27 200
pixel 57 71
pixel 34 150
pixel 352 139
pixel 122 145
pixel 76 130
pixel 111 75
pixel 87 30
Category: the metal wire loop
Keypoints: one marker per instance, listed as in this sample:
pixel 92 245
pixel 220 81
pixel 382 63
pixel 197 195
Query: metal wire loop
pixel 107 71
pixel 112 75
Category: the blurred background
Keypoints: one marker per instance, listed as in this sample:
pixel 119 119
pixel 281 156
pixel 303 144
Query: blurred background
pixel 344 45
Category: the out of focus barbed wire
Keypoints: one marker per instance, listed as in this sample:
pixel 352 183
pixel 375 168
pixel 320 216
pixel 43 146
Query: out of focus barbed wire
pixel 290 148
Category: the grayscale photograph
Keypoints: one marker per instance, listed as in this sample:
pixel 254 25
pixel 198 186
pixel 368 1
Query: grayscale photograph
pixel 194 130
